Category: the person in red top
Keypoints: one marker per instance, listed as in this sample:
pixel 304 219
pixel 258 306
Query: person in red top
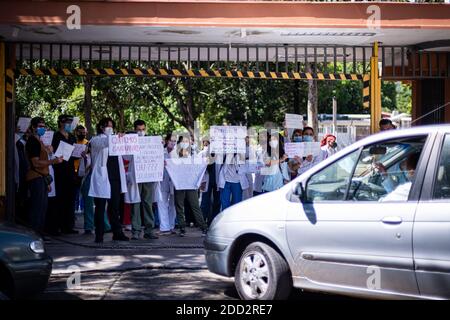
pixel 328 145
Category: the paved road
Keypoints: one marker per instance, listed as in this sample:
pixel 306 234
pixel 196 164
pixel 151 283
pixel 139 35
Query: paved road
pixel 169 268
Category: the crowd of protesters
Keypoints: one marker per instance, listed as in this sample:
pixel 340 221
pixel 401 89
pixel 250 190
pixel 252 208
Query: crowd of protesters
pixel 51 190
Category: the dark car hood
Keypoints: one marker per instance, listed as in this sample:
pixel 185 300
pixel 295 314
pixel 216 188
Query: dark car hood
pixel 14 228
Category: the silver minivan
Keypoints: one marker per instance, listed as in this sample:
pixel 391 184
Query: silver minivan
pixel 373 220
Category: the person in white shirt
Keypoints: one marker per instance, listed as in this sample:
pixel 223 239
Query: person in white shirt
pixel 166 194
pixel 401 191
pixel 309 161
pixel 108 181
pixel 232 180
pixel 328 145
pixel 184 150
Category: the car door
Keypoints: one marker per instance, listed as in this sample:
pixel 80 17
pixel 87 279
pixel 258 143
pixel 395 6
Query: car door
pixel 431 233
pixel 359 242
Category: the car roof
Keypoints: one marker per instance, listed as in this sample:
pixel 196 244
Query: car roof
pixel 385 135
pixel 399 133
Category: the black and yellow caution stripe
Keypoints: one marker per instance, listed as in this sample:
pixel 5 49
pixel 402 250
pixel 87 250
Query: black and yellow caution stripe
pixel 163 72
pixel 366 91
pixel 9 81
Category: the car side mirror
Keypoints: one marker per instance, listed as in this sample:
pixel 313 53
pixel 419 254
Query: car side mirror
pixel 299 192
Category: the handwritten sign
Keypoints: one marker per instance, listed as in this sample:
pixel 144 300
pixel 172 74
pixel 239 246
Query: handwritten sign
pixel 64 150
pixel 293 121
pixel 23 124
pixel 78 150
pixel 186 173
pixel 227 139
pixel 75 122
pixel 125 145
pixel 149 162
pixel 47 138
pixel 302 149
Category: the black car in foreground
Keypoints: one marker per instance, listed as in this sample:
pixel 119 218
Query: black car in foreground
pixel 25 267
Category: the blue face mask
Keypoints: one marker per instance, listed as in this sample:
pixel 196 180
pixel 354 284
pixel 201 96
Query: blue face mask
pixel 307 138
pixel 40 132
pixel 68 128
pixel 298 139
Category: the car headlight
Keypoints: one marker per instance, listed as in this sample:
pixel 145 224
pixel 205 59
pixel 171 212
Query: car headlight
pixel 37 246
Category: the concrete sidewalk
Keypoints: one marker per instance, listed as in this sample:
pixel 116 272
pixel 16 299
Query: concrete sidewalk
pixel 80 252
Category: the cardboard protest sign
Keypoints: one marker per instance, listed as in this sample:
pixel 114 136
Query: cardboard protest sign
pixel 186 173
pixel 125 145
pixel 149 162
pixel 227 139
pixel 293 121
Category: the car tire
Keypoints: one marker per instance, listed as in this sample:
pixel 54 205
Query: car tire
pixel 262 274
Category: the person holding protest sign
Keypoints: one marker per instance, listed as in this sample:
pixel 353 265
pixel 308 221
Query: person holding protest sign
pixel 107 181
pixel 165 193
pixel 232 180
pixel 183 150
pixel 38 175
pixel 65 177
pixel 273 160
pixel 310 160
pixel 143 194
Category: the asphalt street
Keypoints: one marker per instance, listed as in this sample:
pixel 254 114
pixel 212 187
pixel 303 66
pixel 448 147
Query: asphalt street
pixel 170 268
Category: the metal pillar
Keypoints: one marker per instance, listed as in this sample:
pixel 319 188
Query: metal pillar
pixel 375 91
pixel 2 133
pixel 7 131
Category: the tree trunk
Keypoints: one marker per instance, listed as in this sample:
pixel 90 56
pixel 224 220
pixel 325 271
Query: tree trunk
pixel 312 104
pixel 296 88
pixel 87 104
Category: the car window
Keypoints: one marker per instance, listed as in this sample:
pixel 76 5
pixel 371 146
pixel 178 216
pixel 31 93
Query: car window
pixel 442 181
pixel 385 171
pixel 330 184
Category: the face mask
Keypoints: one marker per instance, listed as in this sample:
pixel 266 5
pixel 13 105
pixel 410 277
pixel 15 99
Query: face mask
pixel 184 145
pixel 108 131
pixel 334 145
pixel 81 136
pixel 40 131
pixel 68 128
pixel 307 138
pixel 298 139
pixel 141 133
pixel 273 144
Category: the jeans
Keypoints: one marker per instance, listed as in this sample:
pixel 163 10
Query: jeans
pixel 146 191
pixel 230 194
pixel 191 196
pixel 38 203
pixel 210 210
pixel 89 207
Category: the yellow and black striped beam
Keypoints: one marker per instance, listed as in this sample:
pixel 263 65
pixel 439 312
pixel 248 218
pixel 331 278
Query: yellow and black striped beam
pixel 157 72
pixel 366 91
pixel 9 81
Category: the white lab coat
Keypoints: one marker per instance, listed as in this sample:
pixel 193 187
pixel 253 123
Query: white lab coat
pixel 132 195
pixel 166 200
pixel 100 186
pixel 242 170
pixel 205 178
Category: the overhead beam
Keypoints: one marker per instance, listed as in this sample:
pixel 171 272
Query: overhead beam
pixel 227 14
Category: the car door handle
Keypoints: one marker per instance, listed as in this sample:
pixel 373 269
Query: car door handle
pixel 392 220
